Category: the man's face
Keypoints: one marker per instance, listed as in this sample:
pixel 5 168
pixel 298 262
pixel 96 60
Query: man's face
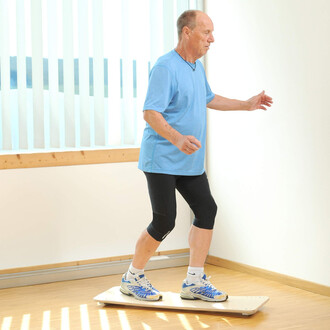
pixel 201 36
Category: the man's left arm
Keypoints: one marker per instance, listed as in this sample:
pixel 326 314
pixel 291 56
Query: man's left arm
pixel 260 101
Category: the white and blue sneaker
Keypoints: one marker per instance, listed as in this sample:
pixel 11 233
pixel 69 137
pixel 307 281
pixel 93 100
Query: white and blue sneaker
pixel 202 289
pixel 139 287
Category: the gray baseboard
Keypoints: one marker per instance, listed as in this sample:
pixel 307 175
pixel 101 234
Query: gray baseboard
pixel 85 271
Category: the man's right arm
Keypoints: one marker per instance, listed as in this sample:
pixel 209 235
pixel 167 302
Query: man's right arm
pixel 186 143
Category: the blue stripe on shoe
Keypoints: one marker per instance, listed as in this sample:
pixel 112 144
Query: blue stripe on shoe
pixel 184 285
pixel 141 292
pixel 206 291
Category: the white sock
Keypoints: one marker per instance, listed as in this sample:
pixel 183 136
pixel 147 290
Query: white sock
pixel 132 271
pixel 194 274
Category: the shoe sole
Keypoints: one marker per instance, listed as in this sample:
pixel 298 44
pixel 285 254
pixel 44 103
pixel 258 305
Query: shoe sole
pixel 137 297
pixel 184 296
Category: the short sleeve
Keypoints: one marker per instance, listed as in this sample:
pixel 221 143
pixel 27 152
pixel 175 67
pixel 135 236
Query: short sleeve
pixel 209 94
pixel 160 89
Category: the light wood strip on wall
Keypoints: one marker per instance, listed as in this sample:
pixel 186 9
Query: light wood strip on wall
pixel 285 279
pixel 69 158
pixel 85 262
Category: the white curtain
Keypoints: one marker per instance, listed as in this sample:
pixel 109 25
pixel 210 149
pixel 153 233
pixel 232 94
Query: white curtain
pixel 74 73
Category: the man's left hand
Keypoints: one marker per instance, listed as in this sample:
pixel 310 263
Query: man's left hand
pixel 260 101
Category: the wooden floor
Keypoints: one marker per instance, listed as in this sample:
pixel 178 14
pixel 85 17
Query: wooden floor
pixel 69 305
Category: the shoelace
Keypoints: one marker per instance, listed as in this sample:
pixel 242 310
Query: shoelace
pixel 145 283
pixel 207 282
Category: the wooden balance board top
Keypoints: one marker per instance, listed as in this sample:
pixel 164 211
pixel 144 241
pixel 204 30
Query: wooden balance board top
pixel 246 305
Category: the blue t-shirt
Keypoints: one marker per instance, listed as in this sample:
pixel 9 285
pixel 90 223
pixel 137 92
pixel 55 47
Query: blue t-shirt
pixel 180 95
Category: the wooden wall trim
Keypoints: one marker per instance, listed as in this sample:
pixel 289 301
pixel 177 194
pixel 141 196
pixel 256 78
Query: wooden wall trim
pixel 284 279
pixel 65 158
pixel 84 262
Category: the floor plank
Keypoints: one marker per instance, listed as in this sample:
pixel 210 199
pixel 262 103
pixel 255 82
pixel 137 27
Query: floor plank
pixel 69 305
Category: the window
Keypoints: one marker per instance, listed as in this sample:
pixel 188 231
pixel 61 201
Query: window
pixel 74 73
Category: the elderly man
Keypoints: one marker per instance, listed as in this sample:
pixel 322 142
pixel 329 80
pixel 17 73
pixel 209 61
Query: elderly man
pixel 172 156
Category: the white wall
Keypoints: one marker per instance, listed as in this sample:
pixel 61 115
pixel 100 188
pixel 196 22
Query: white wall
pixel 269 171
pixel 59 214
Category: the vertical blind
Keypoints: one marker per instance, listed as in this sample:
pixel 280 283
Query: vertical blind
pixel 74 73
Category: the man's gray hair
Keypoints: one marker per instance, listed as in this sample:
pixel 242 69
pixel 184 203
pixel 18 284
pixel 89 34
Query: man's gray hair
pixel 187 18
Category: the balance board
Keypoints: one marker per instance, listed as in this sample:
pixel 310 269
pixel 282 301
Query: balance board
pixel 245 305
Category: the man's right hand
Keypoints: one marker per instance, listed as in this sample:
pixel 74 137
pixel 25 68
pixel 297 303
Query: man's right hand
pixel 188 144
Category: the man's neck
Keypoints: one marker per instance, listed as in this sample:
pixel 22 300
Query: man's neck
pixel 185 54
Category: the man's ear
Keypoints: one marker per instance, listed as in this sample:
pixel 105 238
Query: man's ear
pixel 185 32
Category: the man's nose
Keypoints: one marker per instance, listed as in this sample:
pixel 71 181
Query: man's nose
pixel 211 38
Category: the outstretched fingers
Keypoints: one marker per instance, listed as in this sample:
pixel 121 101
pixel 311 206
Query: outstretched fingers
pixel 265 100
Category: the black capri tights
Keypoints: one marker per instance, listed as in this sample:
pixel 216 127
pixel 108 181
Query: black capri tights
pixel 194 189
